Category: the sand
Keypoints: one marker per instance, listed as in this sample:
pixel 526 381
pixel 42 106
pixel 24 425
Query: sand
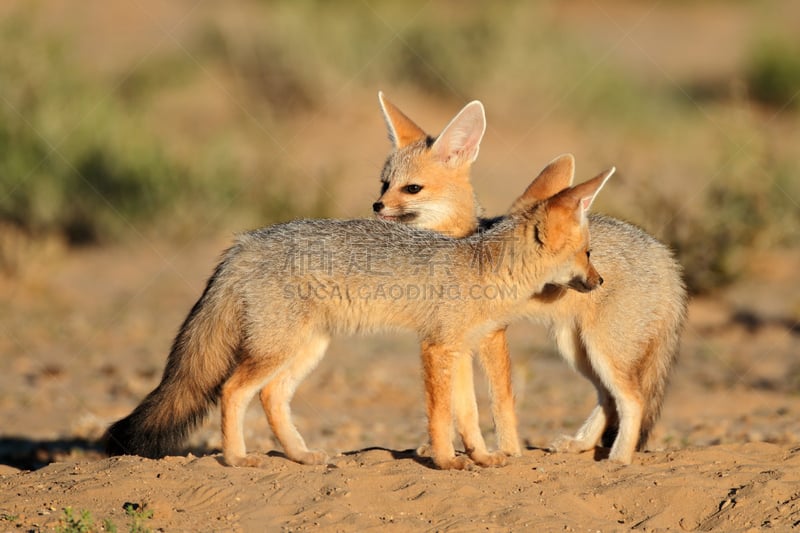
pixel 89 335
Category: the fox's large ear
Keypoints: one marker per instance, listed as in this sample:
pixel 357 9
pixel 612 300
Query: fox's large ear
pixel 581 197
pixel 554 178
pixel 460 141
pixel 402 130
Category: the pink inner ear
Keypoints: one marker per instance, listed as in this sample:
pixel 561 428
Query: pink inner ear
pixel 586 203
pixel 460 139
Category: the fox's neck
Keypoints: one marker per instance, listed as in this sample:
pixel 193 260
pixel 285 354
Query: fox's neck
pixel 508 255
pixel 458 225
pixel 463 220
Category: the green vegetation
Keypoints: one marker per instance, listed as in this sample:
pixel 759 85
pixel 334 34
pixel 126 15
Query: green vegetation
pixel 99 154
pixel 75 160
pixel 773 73
pixel 81 157
pixel 137 514
pixel 75 524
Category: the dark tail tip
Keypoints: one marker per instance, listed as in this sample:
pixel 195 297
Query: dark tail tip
pixel 120 439
pixel 126 437
pixel 117 439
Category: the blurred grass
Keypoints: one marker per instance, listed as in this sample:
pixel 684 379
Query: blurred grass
pixel 88 155
pixel 773 72
pixel 74 160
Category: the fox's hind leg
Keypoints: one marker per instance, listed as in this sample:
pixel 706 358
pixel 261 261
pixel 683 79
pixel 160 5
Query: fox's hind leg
pixel 622 385
pixel 496 361
pixel 277 395
pixel 466 413
pixel 250 375
pixel 590 433
pixel 630 406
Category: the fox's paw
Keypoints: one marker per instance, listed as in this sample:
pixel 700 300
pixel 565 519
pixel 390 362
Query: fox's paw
pixel 253 461
pixel 424 450
pixel 458 462
pixel 620 457
pixel 511 449
pixel 310 457
pixel 489 459
pixel 567 444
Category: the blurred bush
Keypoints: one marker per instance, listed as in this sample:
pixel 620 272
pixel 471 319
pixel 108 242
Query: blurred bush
pixel 751 203
pixel 92 157
pixel 772 72
pixel 74 159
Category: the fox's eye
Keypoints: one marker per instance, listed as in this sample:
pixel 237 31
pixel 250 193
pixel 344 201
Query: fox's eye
pixel 413 188
pixel 384 187
pixel 588 253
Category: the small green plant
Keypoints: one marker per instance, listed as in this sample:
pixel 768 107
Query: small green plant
pixel 5 517
pixel 75 524
pixel 138 515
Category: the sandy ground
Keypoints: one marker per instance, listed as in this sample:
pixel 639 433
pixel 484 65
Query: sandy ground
pixel 86 333
pixel 725 487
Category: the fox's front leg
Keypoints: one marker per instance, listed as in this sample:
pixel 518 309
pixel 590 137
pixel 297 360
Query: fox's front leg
pixel 496 361
pixel 437 366
pixel 466 412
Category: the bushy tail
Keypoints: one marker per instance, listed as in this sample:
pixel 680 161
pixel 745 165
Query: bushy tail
pixel 663 351
pixel 201 359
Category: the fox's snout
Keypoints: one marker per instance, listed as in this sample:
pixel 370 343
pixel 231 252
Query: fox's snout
pixel 396 214
pixel 585 285
pixel 589 282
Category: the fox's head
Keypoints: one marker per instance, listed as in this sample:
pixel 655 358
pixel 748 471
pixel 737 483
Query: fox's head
pixel 425 181
pixel 556 220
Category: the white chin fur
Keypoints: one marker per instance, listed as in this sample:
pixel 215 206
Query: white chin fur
pixel 433 214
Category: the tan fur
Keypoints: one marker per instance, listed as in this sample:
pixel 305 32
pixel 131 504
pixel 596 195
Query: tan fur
pixel 281 293
pixel 624 337
pixel 496 361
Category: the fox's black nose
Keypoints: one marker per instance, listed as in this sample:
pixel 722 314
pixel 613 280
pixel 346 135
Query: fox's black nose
pixel 600 281
pixel 377 206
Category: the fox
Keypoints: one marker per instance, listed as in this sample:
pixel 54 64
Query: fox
pixel 280 293
pixel 623 337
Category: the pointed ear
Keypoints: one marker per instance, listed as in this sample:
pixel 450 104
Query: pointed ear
pixel 553 178
pixel 402 130
pixel 581 197
pixel 588 190
pixel 460 141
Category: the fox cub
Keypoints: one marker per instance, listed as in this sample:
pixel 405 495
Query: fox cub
pixel 280 293
pixel 623 337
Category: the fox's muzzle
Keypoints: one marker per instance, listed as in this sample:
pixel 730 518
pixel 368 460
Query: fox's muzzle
pixel 585 285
